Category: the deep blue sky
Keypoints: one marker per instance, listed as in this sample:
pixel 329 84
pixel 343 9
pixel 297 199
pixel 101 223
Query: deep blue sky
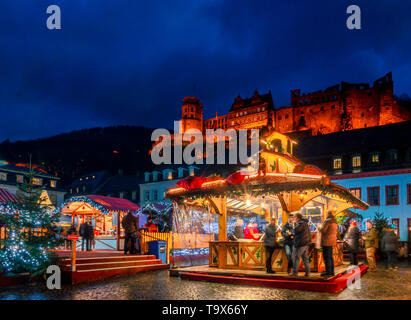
pixel 131 62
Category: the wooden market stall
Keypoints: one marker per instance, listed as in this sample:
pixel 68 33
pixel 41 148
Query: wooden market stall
pixel 106 214
pixel 282 185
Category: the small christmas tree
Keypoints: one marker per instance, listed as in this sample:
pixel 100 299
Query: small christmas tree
pixel 29 231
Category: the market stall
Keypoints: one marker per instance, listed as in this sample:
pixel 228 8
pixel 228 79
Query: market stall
pixel 282 185
pixel 105 213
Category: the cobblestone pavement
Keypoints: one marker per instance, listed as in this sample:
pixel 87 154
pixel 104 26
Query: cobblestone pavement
pixel 379 285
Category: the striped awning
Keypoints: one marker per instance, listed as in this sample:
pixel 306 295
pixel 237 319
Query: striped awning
pixel 6 196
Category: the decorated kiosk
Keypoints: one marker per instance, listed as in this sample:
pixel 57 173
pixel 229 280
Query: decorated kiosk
pixel 282 185
pixel 105 213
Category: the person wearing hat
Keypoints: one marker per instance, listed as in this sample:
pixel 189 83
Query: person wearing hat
pixel 389 245
pixel 352 239
pixel 371 244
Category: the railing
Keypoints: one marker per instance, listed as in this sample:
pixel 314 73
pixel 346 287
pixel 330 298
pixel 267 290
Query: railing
pixel 176 240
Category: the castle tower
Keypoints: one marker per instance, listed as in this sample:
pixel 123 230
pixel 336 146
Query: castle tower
pixel 192 114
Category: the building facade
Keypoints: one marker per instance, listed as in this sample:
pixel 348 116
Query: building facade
pixel 338 108
pixel 388 192
pixel 13 175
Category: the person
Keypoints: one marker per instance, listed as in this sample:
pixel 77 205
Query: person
pixel 249 232
pixel 288 236
pixel 302 241
pixel 270 243
pixel 85 236
pixel 328 231
pixel 151 226
pixel 238 230
pixel 70 231
pixel 91 236
pixel 130 226
pixel 371 245
pixel 390 245
pixel 352 239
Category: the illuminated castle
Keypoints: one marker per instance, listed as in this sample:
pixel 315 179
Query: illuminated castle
pixel 338 108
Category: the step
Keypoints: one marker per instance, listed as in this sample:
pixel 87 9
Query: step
pixel 115 264
pixel 67 261
pixel 101 273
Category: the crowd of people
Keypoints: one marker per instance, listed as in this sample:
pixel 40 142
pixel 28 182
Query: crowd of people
pixel 296 240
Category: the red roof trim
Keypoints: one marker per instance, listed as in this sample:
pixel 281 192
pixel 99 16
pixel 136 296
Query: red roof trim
pixel 111 203
pixel 370 174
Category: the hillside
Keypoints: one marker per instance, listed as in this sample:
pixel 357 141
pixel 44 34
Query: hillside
pixel 72 154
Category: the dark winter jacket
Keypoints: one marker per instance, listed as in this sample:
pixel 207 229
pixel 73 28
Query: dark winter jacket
pixel 329 232
pixel 352 238
pixel 270 239
pixel 239 232
pixel 84 231
pixel 389 241
pixel 302 234
pixel 285 233
pixel 129 224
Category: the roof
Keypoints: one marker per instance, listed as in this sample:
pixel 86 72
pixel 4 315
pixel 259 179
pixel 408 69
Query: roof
pixel 111 203
pixel 256 99
pixel 120 183
pixel 273 184
pixel 6 196
pixel 359 140
pixel 25 170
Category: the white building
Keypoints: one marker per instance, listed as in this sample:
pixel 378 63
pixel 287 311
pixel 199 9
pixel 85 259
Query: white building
pixel 387 191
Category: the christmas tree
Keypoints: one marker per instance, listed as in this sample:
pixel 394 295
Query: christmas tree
pixel 29 230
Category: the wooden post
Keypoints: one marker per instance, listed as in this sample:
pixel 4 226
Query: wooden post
pixel 222 219
pixel 73 255
pixel 118 229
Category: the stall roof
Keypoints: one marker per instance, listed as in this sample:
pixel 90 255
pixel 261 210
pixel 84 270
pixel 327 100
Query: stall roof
pixel 274 184
pixel 6 196
pixel 111 203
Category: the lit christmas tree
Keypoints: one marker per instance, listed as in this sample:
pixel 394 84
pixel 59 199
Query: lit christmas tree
pixel 29 230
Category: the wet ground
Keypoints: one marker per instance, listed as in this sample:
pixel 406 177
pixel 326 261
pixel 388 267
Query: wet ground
pixel 159 285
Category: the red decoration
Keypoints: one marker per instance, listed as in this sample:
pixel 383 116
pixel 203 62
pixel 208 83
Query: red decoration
pixel 236 178
pixel 190 183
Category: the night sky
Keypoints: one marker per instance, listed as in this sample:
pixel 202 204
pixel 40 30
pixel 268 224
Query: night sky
pixel 131 62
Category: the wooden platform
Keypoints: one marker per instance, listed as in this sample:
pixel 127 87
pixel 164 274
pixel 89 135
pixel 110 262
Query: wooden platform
pixel 315 282
pixel 94 265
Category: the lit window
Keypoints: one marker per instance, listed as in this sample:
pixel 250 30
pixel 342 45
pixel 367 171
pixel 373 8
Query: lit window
pixel 391 195
pixel 170 175
pixel 356 192
pixel 37 181
pixel 396 223
pixel 337 163
pixel 19 179
pixel 375 158
pixel 53 183
pixel 356 161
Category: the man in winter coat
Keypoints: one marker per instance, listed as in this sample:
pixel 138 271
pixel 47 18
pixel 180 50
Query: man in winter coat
pixel 288 236
pixel 84 232
pixel 270 243
pixel 130 226
pixel 389 245
pixel 302 241
pixel 352 239
pixel 371 244
pixel 239 230
pixel 328 231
